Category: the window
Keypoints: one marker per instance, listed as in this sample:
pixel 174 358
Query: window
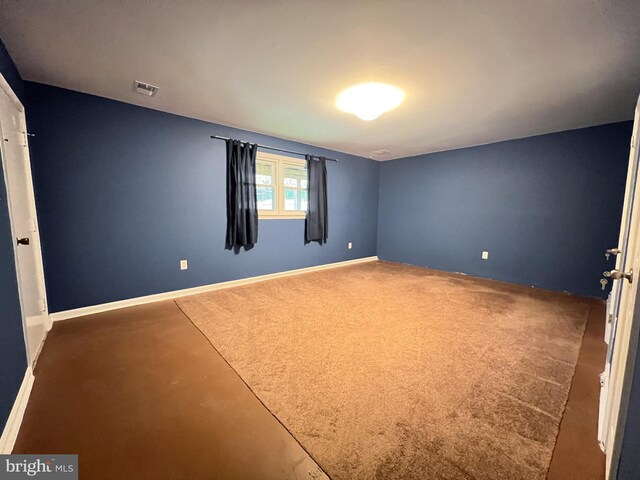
pixel 281 185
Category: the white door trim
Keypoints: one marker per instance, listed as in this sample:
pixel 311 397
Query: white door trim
pixel 105 307
pixel 12 427
pixel 6 88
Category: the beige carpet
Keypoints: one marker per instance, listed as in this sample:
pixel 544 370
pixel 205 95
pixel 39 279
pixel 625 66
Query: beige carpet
pixel 386 371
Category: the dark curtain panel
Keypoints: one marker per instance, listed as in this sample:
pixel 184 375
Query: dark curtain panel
pixel 316 225
pixel 242 212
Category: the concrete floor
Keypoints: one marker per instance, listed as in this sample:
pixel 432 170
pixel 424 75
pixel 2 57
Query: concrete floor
pixel 139 393
pixel 577 455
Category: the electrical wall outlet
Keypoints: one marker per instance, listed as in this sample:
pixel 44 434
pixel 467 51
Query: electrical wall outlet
pixel 485 255
pixel 349 245
pixel 183 265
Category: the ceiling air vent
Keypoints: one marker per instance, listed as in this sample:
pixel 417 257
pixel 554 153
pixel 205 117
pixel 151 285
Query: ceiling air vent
pixel 145 88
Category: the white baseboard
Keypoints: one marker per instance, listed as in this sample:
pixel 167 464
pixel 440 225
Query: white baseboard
pixel 11 429
pixel 105 307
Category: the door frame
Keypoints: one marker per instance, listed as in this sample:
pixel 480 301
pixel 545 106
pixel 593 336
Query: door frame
pixel 6 88
pixel 626 334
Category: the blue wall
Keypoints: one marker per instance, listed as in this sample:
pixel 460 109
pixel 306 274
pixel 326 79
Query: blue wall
pixel 545 208
pixel 13 356
pixel 123 193
pixel 10 72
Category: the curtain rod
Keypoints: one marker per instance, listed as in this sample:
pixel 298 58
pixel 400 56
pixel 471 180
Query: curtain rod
pixel 217 137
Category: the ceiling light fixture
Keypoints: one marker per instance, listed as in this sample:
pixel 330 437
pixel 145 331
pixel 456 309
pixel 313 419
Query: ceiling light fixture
pixel 369 100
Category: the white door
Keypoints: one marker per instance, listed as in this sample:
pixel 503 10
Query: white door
pixel 24 223
pixel 622 327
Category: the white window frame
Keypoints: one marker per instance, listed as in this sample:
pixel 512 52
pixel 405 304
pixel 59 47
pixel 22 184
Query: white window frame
pixel 279 162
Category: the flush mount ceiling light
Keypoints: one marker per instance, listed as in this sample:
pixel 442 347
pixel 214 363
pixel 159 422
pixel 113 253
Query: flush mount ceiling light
pixel 369 100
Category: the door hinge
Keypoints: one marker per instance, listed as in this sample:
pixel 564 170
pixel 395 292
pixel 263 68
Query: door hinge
pixel 26 136
pixel 603 377
pixel 43 304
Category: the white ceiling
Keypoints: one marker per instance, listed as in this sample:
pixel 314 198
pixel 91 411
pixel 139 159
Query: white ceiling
pixel 475 71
